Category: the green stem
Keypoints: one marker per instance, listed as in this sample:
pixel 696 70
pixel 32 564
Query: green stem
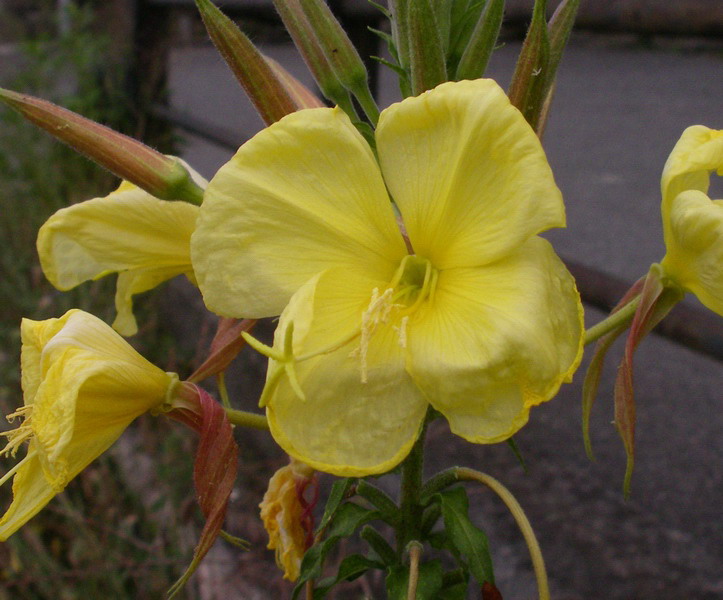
pixel 410 507
pixel 247 419
pixel 612 322
pixel 366 101
pixel 538 563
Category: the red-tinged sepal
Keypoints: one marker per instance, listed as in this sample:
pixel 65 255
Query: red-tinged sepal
pixel 656 301
pixel 215 466
pixel 159 175
pixel 226 345
pixel 592 376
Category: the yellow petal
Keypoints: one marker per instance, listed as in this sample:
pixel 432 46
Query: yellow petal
pixel 467 172
pixel 126 230
pixel 698 152
pixel 496 340
pixel 137 281
pixel 31 492
pixel 694 257
pixel 92 385
pixel 344 426
pixel 303 195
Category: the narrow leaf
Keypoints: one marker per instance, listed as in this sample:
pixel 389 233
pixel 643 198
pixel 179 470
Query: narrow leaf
pixel 378 544
pixel 347 518
pixel 464 535
pixel 339 492
pixel 388 510
pixel 264 89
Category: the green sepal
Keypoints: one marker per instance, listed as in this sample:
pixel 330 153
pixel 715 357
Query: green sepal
pixel 467 538
pixel 429 583
pixel 591 383
pixel 529 83
pixel 427 61
pixel 480 43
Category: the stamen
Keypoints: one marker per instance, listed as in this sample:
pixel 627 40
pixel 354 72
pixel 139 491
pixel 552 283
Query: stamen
pixel 378 311
pixel 20 434
pixel 402 331
pixel 15 468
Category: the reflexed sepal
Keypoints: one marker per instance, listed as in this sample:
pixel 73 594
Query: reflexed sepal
pixel 215 466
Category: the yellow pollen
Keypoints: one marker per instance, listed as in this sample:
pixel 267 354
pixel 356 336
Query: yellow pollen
pixel 21 433
pixel 378 312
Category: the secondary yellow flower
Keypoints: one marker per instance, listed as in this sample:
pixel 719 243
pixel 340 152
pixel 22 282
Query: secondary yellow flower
pixel 692 222
pixel 284 514
pixel 82 386
pixel 144 239
pixel 473 313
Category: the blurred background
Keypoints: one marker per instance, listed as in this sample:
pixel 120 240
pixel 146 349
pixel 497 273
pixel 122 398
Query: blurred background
pixel 635 75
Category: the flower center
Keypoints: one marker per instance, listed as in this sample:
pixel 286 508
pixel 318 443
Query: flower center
pixel 414 282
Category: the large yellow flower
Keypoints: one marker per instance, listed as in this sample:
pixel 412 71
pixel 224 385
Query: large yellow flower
pixel 692 222
pixel 473 313
pixel 82 386
pixel 144 239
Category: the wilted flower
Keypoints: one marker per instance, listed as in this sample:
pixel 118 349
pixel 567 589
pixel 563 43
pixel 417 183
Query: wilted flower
pixel 286 517
pixel 82 386
pixel 472 313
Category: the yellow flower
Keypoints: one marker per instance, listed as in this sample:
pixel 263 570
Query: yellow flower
pixel 82 386
pixel 144 239
pixel 692 222
pixel 472 313
pixel 283 512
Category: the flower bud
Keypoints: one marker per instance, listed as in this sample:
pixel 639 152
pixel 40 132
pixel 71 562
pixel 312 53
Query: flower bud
pixel 129 159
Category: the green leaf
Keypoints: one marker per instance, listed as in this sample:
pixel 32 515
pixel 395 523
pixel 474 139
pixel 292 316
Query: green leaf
pixel 345 520
pixel 379 545
pixel 458 591
pixel 352 567
pixel 339 491
pixel 388 510
pixel 464 535
pixel 516 451
pixel 429 583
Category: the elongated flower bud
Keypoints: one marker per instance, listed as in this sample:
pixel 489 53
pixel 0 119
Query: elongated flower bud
pixel 129 159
